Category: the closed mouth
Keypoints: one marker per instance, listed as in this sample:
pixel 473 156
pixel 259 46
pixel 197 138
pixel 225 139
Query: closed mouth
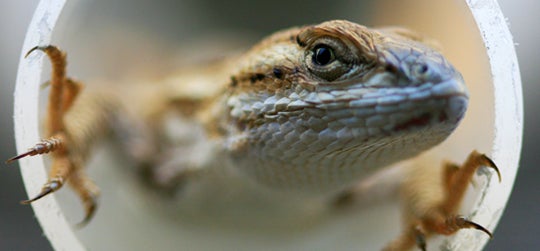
pixel 422 120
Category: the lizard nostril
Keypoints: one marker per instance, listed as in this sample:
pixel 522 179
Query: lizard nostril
pixel 420 70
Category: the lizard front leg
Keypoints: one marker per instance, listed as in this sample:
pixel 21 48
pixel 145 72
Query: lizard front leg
pixel 73 122
pixel 431 200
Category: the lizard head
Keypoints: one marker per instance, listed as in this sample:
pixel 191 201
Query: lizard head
pixel 326 104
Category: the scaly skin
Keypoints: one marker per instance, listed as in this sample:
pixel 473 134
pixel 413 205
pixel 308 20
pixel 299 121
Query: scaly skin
pixel 388 98
pixel 309 110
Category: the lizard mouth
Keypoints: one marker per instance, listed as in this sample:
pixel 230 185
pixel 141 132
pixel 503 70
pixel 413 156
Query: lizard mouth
pixel 452 113
pixel 422 120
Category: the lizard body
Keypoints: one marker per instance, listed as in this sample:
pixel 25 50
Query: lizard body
pixel 308 110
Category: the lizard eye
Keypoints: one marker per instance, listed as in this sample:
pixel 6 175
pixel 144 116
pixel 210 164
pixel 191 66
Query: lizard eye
pixel 323 55
pixel 327 59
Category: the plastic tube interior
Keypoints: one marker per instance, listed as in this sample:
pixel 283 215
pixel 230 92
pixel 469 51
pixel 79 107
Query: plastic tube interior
pixel 131 217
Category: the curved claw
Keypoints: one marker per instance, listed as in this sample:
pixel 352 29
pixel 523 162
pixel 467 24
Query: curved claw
pixel 88 193
pixel 44 191
pixel 48 188
pixel 90 207
pixel 45 146
pixel 41 48
pixel 30 152
pixel 89 214
pixel 490 163
pixel 464 223
pixel 90 211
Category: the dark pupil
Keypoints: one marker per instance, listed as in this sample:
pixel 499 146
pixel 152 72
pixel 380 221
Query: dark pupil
pixel 323 55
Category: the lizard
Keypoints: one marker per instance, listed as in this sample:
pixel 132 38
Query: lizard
pixel 309 110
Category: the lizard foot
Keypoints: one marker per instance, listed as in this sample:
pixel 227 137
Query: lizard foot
pixel 65 161
pixel 426 214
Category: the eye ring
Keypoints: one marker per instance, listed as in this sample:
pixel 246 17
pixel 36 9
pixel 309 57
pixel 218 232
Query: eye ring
pixel 323 55
pixel 328 58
